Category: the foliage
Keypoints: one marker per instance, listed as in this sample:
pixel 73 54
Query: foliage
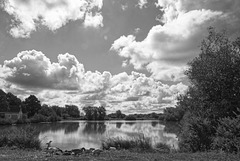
pixel 46 110
pixel 228 135
pixel 4 104
pixel 173 114
pixel 14 102
pixel 197 134
pixel 32 105
pixel 94 113
pixel 38 118
pixel 139 143
pixel 72 111
pixel 23 120
pixel 5 121
pixel 58 110
pixel 20 137
pixel 130 117
pixel 215 74
pixel 163 147
pixel 213 95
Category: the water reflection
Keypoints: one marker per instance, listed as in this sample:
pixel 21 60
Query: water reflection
pixel 94 128
pixel 118 125
pixel 77 134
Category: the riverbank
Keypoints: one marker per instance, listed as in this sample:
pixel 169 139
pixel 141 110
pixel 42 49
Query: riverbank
pixel 8 154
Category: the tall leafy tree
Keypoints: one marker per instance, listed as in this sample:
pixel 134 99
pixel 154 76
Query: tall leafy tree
pixel 32 105
pixel 215 75
pixel 14 102
pixel 213 95
pixel 72 110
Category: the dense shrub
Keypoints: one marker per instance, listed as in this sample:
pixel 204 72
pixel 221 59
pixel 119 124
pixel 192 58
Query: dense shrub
pixel 20 137
pixel 196 135
pixel 38 118
pixel 228 135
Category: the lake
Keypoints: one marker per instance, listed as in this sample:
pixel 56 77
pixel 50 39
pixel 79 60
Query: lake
pixel 89 134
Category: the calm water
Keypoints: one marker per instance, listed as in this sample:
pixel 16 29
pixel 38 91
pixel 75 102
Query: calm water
pixel 77 134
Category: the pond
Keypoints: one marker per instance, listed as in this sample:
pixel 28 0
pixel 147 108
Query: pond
pixel 89 134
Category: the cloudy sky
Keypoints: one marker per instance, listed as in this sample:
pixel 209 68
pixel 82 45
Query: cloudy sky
pixel 122 54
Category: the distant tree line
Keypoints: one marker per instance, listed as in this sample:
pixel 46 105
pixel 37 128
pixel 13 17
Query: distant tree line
pixel 33 111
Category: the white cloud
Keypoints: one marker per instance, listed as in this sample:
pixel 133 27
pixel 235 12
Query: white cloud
pixel 66 82
pixel 142 3
pixel 171 44
pixel 31 14
pixel 93 20
pixel 34 69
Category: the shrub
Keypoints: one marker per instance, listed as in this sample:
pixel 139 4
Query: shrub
pixel 20 137
pixel 5 121
pixel 196 135
pixel 163 147
pixel 38 118
pixel 139 143
pixel 228 135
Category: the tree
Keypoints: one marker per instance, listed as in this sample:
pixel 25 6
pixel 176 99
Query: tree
pixel 14 102
pixel 119 114
pixel 213 95
pixel 58 110
pixel 47 111
pixel 94 113
pixel 4 104
pixel 215 75
pixel 32 105
pixel 72 110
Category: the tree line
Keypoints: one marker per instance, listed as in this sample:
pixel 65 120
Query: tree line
pixel 33 111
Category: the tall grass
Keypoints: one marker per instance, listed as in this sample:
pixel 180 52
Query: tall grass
pixel 137 143
pixel 22 138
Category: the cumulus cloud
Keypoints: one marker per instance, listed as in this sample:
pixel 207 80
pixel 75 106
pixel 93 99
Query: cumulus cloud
pixel 34 69
pixel 142 3
pixel 67 82
pixel 171 44
pixel 30 14
pixel 93 20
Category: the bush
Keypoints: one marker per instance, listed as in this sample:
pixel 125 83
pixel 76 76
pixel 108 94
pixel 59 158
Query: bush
pixel 163 147
pixel 54 118
pixel 5 121
pixel 196 135
pixel 20 137
pixel 138 143
pixel 228 135
pixel 38 118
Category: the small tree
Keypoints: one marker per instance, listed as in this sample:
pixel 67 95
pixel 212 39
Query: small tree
pixel 32 105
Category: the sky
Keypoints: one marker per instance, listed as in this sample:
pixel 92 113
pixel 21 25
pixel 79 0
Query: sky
pixel 127 55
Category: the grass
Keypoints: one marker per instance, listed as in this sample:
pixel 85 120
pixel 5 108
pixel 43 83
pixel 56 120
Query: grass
pixel 7 154
pixel 140 143
pixel 21 138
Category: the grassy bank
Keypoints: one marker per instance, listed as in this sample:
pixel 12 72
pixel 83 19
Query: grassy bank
pixel 25 155
pixel 22 138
